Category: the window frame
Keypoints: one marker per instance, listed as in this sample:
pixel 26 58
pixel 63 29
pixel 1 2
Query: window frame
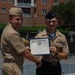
pixel 44 1
pixel 44 11
pixel 3 1
pixel 11 1
pixel 3 10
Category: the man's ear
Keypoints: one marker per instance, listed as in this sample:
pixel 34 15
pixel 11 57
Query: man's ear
pixel 57 21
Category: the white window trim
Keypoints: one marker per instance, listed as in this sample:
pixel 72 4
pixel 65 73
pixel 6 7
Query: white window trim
pixel 44 1
pixel 11 1
pixel 3 11
pixel 44 11
pixel 3 1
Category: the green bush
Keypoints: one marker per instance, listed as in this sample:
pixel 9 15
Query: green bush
pixel 2 25
pixel 24 29
pixel 31 29
pixel 27 29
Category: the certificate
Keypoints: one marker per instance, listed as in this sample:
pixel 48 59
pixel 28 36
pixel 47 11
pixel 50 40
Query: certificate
pixel 39 46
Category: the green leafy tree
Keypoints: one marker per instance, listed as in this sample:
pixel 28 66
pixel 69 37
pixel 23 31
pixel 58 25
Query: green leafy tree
pixel 66 13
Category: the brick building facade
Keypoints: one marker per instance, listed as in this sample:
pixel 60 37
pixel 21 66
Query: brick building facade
pixel 33 10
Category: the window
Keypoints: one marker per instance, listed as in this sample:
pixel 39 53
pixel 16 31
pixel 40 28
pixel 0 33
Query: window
pixel 23 1
pixel 44 11
pixel 3 1
pixel 67 1
pixel 56 2
pixel 11 1
pixel 3 10
pixel 44 1
pixel 26 12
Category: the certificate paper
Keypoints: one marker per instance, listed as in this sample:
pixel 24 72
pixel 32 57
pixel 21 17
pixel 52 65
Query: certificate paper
pixel 39 46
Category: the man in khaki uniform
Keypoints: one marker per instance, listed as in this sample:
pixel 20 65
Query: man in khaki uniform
pixel 13 48
pixel 58 47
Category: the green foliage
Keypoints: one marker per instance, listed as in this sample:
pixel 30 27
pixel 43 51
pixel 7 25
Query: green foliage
pixel 66 12
pixel 2 26
pixel 65 32
pixel 25 29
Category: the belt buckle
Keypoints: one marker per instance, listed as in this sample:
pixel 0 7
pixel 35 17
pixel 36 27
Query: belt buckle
pixel 54 63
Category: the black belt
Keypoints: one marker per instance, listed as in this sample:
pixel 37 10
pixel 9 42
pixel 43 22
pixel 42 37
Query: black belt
pixel 12 61
pixel 9 61
pixel 53 63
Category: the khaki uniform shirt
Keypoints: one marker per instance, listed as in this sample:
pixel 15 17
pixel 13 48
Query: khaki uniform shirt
pixel 62 46
pixel 12 44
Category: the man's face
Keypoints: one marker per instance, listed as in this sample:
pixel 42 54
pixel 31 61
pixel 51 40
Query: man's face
pixel 16 21
pixel 51 23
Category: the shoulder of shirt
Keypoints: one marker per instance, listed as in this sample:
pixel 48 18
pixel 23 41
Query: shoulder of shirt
pixel 59 33
pixel 39 35
pixel 9 30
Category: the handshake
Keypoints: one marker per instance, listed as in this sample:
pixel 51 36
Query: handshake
pixel 26 43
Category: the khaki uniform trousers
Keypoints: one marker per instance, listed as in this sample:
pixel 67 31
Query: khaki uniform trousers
pixel 12 69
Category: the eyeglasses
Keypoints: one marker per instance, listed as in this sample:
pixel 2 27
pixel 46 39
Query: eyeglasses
pixel 53 21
